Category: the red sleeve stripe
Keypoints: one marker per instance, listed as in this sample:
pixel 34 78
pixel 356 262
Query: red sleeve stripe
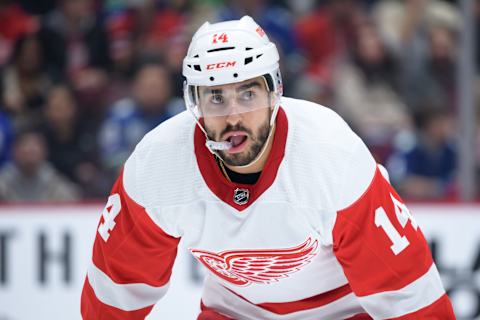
pixel 419 294
pixel 440 309
pixel 93 309
pixel 126 297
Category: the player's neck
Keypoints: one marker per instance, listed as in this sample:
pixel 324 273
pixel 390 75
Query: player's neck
pixel 259 164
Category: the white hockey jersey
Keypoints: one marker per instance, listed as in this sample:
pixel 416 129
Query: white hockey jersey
pixel 320 235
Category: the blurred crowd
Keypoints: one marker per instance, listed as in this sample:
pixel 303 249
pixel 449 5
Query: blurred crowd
pixel 81 82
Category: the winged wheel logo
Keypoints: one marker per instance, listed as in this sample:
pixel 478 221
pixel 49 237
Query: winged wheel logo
pixel 262 266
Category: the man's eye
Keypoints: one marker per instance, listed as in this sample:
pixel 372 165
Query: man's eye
pixel 217 99
pixel 248 95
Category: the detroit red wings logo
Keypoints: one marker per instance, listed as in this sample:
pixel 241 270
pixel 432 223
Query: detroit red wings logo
pixel 243 267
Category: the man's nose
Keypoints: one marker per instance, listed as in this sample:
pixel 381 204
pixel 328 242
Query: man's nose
pixel 234 116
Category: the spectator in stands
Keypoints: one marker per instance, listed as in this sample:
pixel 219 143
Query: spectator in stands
pixel 424 34
pixel 71 142
pixel 434 80
pixel 24 82
pixel 315 88
pixel 405 23
pixel 174 54
pixel 425 167
pixel 123 52
pixel 326 33
pixel 150 24
pixel 6 136
pixel 129 119
pixel 76 49
pixel 14 23
pixel 29 177
pixel 366 92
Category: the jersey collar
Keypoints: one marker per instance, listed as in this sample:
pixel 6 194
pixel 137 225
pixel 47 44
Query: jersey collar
pixel 226 190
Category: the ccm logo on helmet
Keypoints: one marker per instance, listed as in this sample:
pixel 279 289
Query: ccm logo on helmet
pixel 220 65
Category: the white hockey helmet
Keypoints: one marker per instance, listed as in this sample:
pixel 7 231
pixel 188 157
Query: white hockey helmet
pixel 229 52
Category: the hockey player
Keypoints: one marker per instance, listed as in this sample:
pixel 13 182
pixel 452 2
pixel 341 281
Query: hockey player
pixel 277 197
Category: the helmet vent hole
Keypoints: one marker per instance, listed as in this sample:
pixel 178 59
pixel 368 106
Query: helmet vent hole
pixel 248 60
pixel 248 48
pixel 220 49
pixel 196 56
pixel 212 78
pixel 197 67
pixel 258 56
pixel 235 75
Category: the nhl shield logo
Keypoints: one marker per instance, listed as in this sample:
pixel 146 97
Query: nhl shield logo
pixel 240 196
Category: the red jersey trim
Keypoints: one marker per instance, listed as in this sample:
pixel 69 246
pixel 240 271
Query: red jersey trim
pixel 308 303
pixel 361 316
pixel 317 301
pixel 94 309
pixel 440 309
pixel 223 188
pixel 210 314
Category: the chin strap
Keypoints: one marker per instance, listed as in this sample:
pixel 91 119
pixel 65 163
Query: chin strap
pixel 211 144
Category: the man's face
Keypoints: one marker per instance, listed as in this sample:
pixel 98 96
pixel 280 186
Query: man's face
pixel 152 88
pixel 29 153
pixel 238 113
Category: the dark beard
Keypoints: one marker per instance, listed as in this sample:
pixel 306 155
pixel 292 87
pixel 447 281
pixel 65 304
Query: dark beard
pixel 246 157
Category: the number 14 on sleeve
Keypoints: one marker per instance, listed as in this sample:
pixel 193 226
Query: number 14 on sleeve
pixel 399 242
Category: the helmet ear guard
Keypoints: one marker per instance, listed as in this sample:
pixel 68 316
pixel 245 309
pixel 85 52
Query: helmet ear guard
pixel 274 81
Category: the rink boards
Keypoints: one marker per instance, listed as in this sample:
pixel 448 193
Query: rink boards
pixel 44 251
